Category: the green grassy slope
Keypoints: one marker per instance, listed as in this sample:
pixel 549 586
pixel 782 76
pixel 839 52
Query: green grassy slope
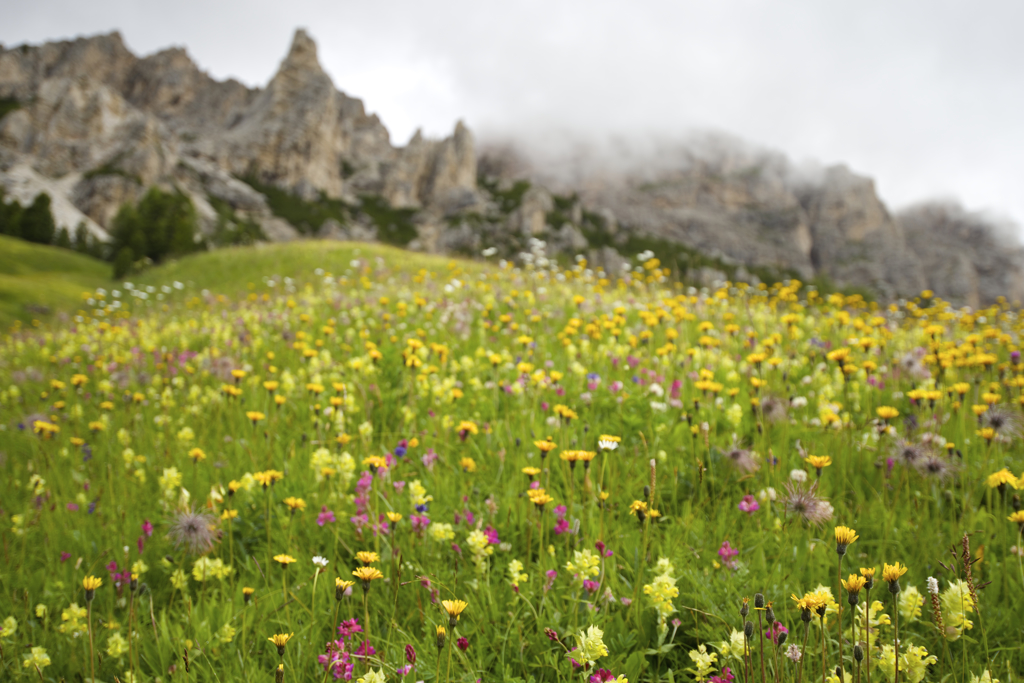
pixel 36 281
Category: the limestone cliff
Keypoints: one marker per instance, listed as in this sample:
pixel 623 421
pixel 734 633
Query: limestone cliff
pixel 110 124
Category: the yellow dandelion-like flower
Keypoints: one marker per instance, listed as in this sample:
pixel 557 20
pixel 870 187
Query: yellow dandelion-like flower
pixel 367 557
pixel 284 560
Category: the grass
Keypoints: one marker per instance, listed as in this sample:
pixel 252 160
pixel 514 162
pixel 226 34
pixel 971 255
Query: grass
pixel 36 281
pixel 452 371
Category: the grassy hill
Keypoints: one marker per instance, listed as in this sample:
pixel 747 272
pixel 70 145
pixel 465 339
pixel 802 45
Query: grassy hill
pixel 38 282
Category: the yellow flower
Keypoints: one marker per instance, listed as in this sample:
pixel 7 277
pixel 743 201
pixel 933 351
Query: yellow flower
pixel 467 465
pixel 91 583
pixel 818 462
pixel 375 462
pixel 854 584
pixel 284 560
pixel 539 497
pixel 844 537
pixel 1003 476
pixel 367 557
pixel 468 427
pixel 531 472
pixel 280 640
pixel 37 659
pixel 546 445
pixel 637 507
pixel 254 416
pixel 197 455
pixel 268 477
pixel 229 515
pixel 394 517
pixel 887 412
pixel 367 574
pixel 1017 517
pixel 294 503
pixel 454 608
pixel 892 572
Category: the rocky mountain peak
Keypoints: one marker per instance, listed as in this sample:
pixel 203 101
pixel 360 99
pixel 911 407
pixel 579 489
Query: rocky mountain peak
pixel 302 55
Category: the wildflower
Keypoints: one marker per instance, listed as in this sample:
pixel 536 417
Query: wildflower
pixel 117 646
pixel 608 443
pixel 818 462
pixel 454 608
pixel 1001 479
pixel 853 586
pixel 913 664
pixel 584 564
pixel 793 653
pixel 90 584
pixel 807 504
pixel 295 504
pixel 957 602
pixel 194 530
pixel 844 537
pixel 373 676
pixel 197 455
pixel 320 561
pixel 462 643
pixel 910 604
pixel 467 465
pixel 538 497
pixel 247 593
pixel 891 574
pixel 531 472
pixel 703 661
pixel 749 504
pixel 591 645
pixel 1018 517
pixel 545 446
pixel 325 516
pixel 37 659
pixel 341 587
pixel 366 575
pixel 367 557
pixel 726 553
pixel 284 560
pixel 887 412
pixel 280 640
pixel 742 459
pixel 440 634
pixel 268 478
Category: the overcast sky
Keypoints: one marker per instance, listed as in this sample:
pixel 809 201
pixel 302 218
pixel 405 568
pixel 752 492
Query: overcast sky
pixel 926 97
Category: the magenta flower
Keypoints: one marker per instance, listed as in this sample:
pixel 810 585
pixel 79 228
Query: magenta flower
pixel 561 526
pixel 410 654
pixel 727 552
pixel 726 676
pixel 429 458
pixel 462 643
pixel 591 586
pixel 602 549
pixel 147 528
pixel 492 535
pixel 73 507
pixel 325 516
pixel 602 676
pixel 64 557
pixel 748 505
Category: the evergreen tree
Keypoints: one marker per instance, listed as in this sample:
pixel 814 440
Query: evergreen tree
pixel 63 239
pixel 37 221
pixel 10 216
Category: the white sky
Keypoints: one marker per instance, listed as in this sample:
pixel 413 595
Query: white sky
pixel 926 97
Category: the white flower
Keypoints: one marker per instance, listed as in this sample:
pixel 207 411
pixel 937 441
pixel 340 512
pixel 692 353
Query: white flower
pixel 933 585
pixel 320 561
pixel 800 401
pixel 798 475
pixel 607 445
pixel 767 494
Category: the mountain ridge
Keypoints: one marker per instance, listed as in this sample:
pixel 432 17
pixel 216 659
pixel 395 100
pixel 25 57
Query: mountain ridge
pixel 97 126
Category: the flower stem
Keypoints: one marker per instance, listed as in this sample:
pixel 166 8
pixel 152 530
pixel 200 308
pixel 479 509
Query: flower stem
pixel 92 657
pixel 760 633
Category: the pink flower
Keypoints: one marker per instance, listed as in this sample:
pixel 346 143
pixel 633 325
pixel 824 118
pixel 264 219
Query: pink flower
pixel 590 586
pixel 325 516
pixel 73 507
pixel 492 535
pixel 147 528
pixel 462 643
pixel 561 527
pixel 602 676
pixel 727 552
pixel 64 557
pixel 429 458
pixel 551 575
pixel 399 486
pixel 603 549
pixel 748 505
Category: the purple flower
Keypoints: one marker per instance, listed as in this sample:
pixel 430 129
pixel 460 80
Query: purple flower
pixel 602 676
pixel 726 676
pixel 492 535
pixel 365 650
pixel 410 654
pixel 64 557
pixel 591 586
pixel 551 575
pixel 141 543
pixel 147 528
pixel 73 507
pixel 603 549
pixel 560 511
pixel 325 516
pixel 748 505
pixel 347 629
pixel 462 643
pixel 561 527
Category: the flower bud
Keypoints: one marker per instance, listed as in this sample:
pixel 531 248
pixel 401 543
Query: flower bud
pixel 745 608
pixel 783 637
pixel 279 674
pixel 853 599
pixel 441 636
pixel 748 630
pixel 769 615
pixel 758 601
pixel 647 492
pixel 858 653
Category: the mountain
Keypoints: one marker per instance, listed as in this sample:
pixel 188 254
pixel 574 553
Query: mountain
pixel 95 126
